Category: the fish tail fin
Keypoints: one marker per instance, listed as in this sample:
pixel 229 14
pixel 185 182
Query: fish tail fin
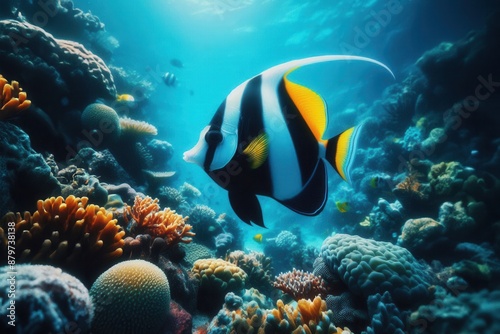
pixel 340 151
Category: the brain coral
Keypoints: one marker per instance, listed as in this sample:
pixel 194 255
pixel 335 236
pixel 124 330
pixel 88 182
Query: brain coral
pixel 368 267
pixel 102 120
pixel 130 297
pixel 47 300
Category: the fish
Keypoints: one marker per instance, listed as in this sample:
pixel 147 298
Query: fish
pixel 170 79
pixel 258 238
pixel 125 98
pixel 376 182
pixel 342 206
pixel 177 63
pixel 266 138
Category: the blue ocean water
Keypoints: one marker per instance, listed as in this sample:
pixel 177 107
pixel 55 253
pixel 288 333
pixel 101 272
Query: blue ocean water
pixel 410 243
pixel 221 43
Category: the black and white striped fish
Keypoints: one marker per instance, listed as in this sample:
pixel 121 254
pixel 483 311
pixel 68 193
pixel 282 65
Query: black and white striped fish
pixel 266 138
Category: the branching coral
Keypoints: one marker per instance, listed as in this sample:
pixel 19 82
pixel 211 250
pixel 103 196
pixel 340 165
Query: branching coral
pixel 301 285
pixel 166 223
pixel 12 99
pixel 67 232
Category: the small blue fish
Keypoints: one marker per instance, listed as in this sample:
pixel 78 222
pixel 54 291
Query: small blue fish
pixel 266 138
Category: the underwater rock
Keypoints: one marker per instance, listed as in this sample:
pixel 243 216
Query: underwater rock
pixel 126 192
pixel 63 66
pixel 462 313
pixel 130 297
pixel 25 177
pixel 421 234
pixel 456 220
pixel 47 300
pixel 103 164
pixel 183 287
pixel 368 267
pixel 77 182
pixel 223 242
pixel 181 321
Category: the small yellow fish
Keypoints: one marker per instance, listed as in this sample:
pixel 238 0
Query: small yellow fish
pixel 375 181
pixel 342 206
pixel 125 98
pixel 258 238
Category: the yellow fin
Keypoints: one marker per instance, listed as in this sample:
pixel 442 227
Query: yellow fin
pixel 257 151
pixel 310 105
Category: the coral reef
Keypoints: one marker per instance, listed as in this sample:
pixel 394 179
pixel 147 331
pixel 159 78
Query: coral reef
pixel 102 122
pixel 306 317
pixel 385 315
pixel 368 267
pixel 257 266
pixel 132 128
pixel 420 234
pixel 22 169
pixel 301 285
pixel 464 313
pixel 195 251
pixel 386 219
pixel 47 300
pixel 130 297
pixel 63 66
pixel 166 223
pixel 71 233
pixel 77 182
pixel 348 311
pixel 217 277
pixel 12 99
pixel 203 220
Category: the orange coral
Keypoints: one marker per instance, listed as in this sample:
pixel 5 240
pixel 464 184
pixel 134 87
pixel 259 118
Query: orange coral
pixel 67 232
pixel 166 224
pixel 12 99
pixel 309 317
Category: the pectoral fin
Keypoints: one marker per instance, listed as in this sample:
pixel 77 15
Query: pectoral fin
pixel 257 151
pixel 247 207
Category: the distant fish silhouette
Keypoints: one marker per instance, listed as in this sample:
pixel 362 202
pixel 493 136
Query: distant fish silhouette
pixel 176 62
pixel 266 138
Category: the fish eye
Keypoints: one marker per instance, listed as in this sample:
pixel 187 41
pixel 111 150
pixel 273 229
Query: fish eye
pixel 213 137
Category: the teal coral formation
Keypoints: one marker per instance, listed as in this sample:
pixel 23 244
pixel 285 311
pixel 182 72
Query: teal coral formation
pixel 130 297
pixel 368 267
pixel 47 300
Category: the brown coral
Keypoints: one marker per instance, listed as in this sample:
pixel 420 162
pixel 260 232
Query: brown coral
pixel 166 223
pixel 66 232
pixel 12 99
pixel 301 285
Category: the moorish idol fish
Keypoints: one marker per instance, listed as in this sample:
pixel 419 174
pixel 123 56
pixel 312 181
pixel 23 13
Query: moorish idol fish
pixel 266 138
pixel 169 79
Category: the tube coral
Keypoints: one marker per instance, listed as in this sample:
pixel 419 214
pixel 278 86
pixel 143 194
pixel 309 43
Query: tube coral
pixel 67 232
pixel 12 99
